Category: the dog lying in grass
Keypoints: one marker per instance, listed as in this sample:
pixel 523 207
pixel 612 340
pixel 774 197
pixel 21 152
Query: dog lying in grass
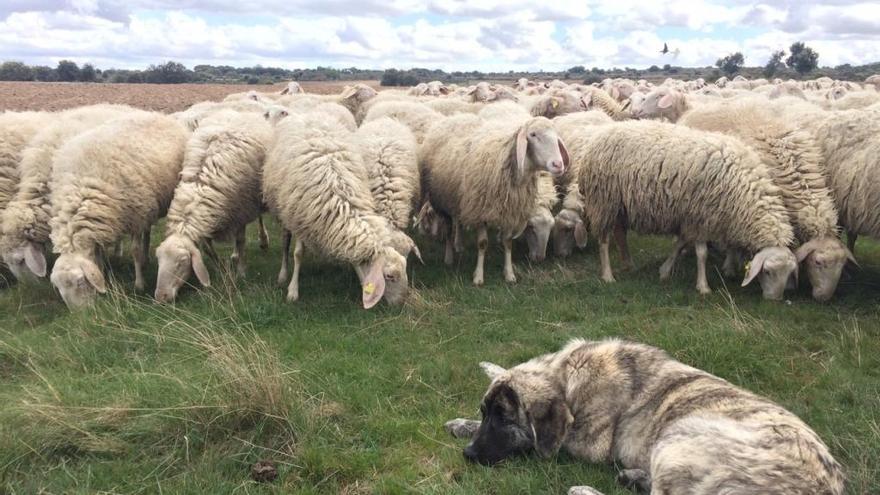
pixel 674 429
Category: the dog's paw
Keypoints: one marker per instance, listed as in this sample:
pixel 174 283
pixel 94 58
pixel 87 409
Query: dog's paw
pixel 583 490
pixel 462 428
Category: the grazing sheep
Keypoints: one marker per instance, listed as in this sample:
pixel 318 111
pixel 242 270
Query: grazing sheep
pixel 856 100
pixel 596 98
pixel 555 103
pixel 665 179
pixel 115 179
pixel 662 103
pixel 569 229
pixel 786 89
pixel 793 159
pixel 315 182
pixel 330 111
pixel 416 116
pixel 24 224
pixel 480 93
pixel 355 99
pixel 850 146
pixel 540 223
pixel 218 195
pixel 484 174
pixel 16 129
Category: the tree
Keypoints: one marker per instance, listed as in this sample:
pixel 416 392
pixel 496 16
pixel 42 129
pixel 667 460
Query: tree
pixel 731 64
pixel 774 64
pixel 87 73
pixel 45 74
pixel 653 68
pixel 168 73
pixel 67 71
pixel 803 59
pixel 577 69
pixel 16 71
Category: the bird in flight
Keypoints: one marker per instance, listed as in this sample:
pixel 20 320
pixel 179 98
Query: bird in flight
pixel 665 49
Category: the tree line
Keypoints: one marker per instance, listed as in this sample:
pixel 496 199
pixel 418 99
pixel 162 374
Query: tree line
pixel 800 61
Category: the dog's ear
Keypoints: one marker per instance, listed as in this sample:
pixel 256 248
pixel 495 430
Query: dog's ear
pixel 492 370
pixel 549 421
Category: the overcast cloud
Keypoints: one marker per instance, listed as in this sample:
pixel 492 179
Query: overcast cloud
pixel 451 35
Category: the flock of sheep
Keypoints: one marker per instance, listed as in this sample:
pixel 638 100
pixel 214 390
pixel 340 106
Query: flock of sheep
pixel 766 170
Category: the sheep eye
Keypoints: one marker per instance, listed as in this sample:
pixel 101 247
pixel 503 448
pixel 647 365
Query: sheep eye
pixel 532 134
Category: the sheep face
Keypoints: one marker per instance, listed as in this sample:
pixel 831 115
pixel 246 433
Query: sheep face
pixel 537 234
pixel 658 104
pixel 777 267
pixel 385 277
pixel 539 147
pixel 275 113
pixel 359 93
pixel 569 231
pixel 26 262
pixel 825 259
pixel 79 279
pixel 178 258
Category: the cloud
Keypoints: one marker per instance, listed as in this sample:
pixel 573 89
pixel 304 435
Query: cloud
pixel 448 34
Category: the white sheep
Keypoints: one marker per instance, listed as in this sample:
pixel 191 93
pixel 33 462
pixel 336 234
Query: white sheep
pixel 850 146
pixel 665 179
pixel 217 196
pixel 484 174
pixel 115 179
pixel 194 114
pixel 793 160
pixel 451 106
pixel 292 88
pixel 24 224
pixel 315 182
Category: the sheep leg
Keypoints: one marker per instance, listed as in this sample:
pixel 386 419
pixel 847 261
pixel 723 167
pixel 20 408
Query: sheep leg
pixel 146 241
pixel 730 268
pixel 238 252
pixel 449 254
pixel 605 259
pixel 140 260
pixel 702 252
pixel 623 246
pixel 509 275
pixel 293 288
pixel 117 249
pixel 669 265
pixel 456 233
pixel 286 237
pixel 482 244
pixel 264 235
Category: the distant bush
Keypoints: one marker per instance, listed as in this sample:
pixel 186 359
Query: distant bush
pixel 67 71
pixel 16 71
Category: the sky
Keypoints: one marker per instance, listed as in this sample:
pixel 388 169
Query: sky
pixel 485 35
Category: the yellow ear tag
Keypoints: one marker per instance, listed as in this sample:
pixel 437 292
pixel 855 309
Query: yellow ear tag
pixel 554 103
pixel 369 288
pixel 748 267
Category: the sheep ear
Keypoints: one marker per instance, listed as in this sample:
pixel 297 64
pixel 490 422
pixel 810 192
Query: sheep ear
pixel 851 257
pixel 94 276
pixel 666 100
pixel 754 267
pixel 348 92
pixel 564 152
pixel 615 93
pixel 373 285
pixel 199 268
pixel 805 250
pixel 493 371
pixel 35 260
pixel 626 104
pixel 586 100
pixel 580 234
pixel 522 146
pixel 285 91
pixel 444 90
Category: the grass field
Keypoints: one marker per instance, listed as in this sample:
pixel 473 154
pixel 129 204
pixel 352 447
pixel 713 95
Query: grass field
pixel 133 397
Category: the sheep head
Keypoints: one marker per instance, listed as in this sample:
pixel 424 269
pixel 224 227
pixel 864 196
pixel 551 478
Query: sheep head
pixel 824 259
pixel 385 276
pixel 537 234
pixel 538 147
pixel 26 261
pixel 78 278
pixel 777 267
pixel 569 230
pixel 178 258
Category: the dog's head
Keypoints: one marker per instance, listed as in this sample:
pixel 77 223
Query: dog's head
pixel 522 411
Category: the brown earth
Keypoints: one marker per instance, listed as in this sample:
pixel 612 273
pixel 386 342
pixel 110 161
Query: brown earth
pixel 161 97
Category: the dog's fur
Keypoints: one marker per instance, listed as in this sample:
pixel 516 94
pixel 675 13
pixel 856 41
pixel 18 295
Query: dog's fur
pixel 673 428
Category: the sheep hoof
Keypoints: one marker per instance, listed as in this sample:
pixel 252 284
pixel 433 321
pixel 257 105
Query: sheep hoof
pixel 704 291
pixel 478 281
pixel 264 244
pixel 608 278
pixel 282 279
pixel 292 296
pixel 510 278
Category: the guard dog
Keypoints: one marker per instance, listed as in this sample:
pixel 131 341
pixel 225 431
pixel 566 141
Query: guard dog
pixel 674 429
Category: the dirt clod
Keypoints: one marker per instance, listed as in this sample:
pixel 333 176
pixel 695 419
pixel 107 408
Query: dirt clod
pixel 264 471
